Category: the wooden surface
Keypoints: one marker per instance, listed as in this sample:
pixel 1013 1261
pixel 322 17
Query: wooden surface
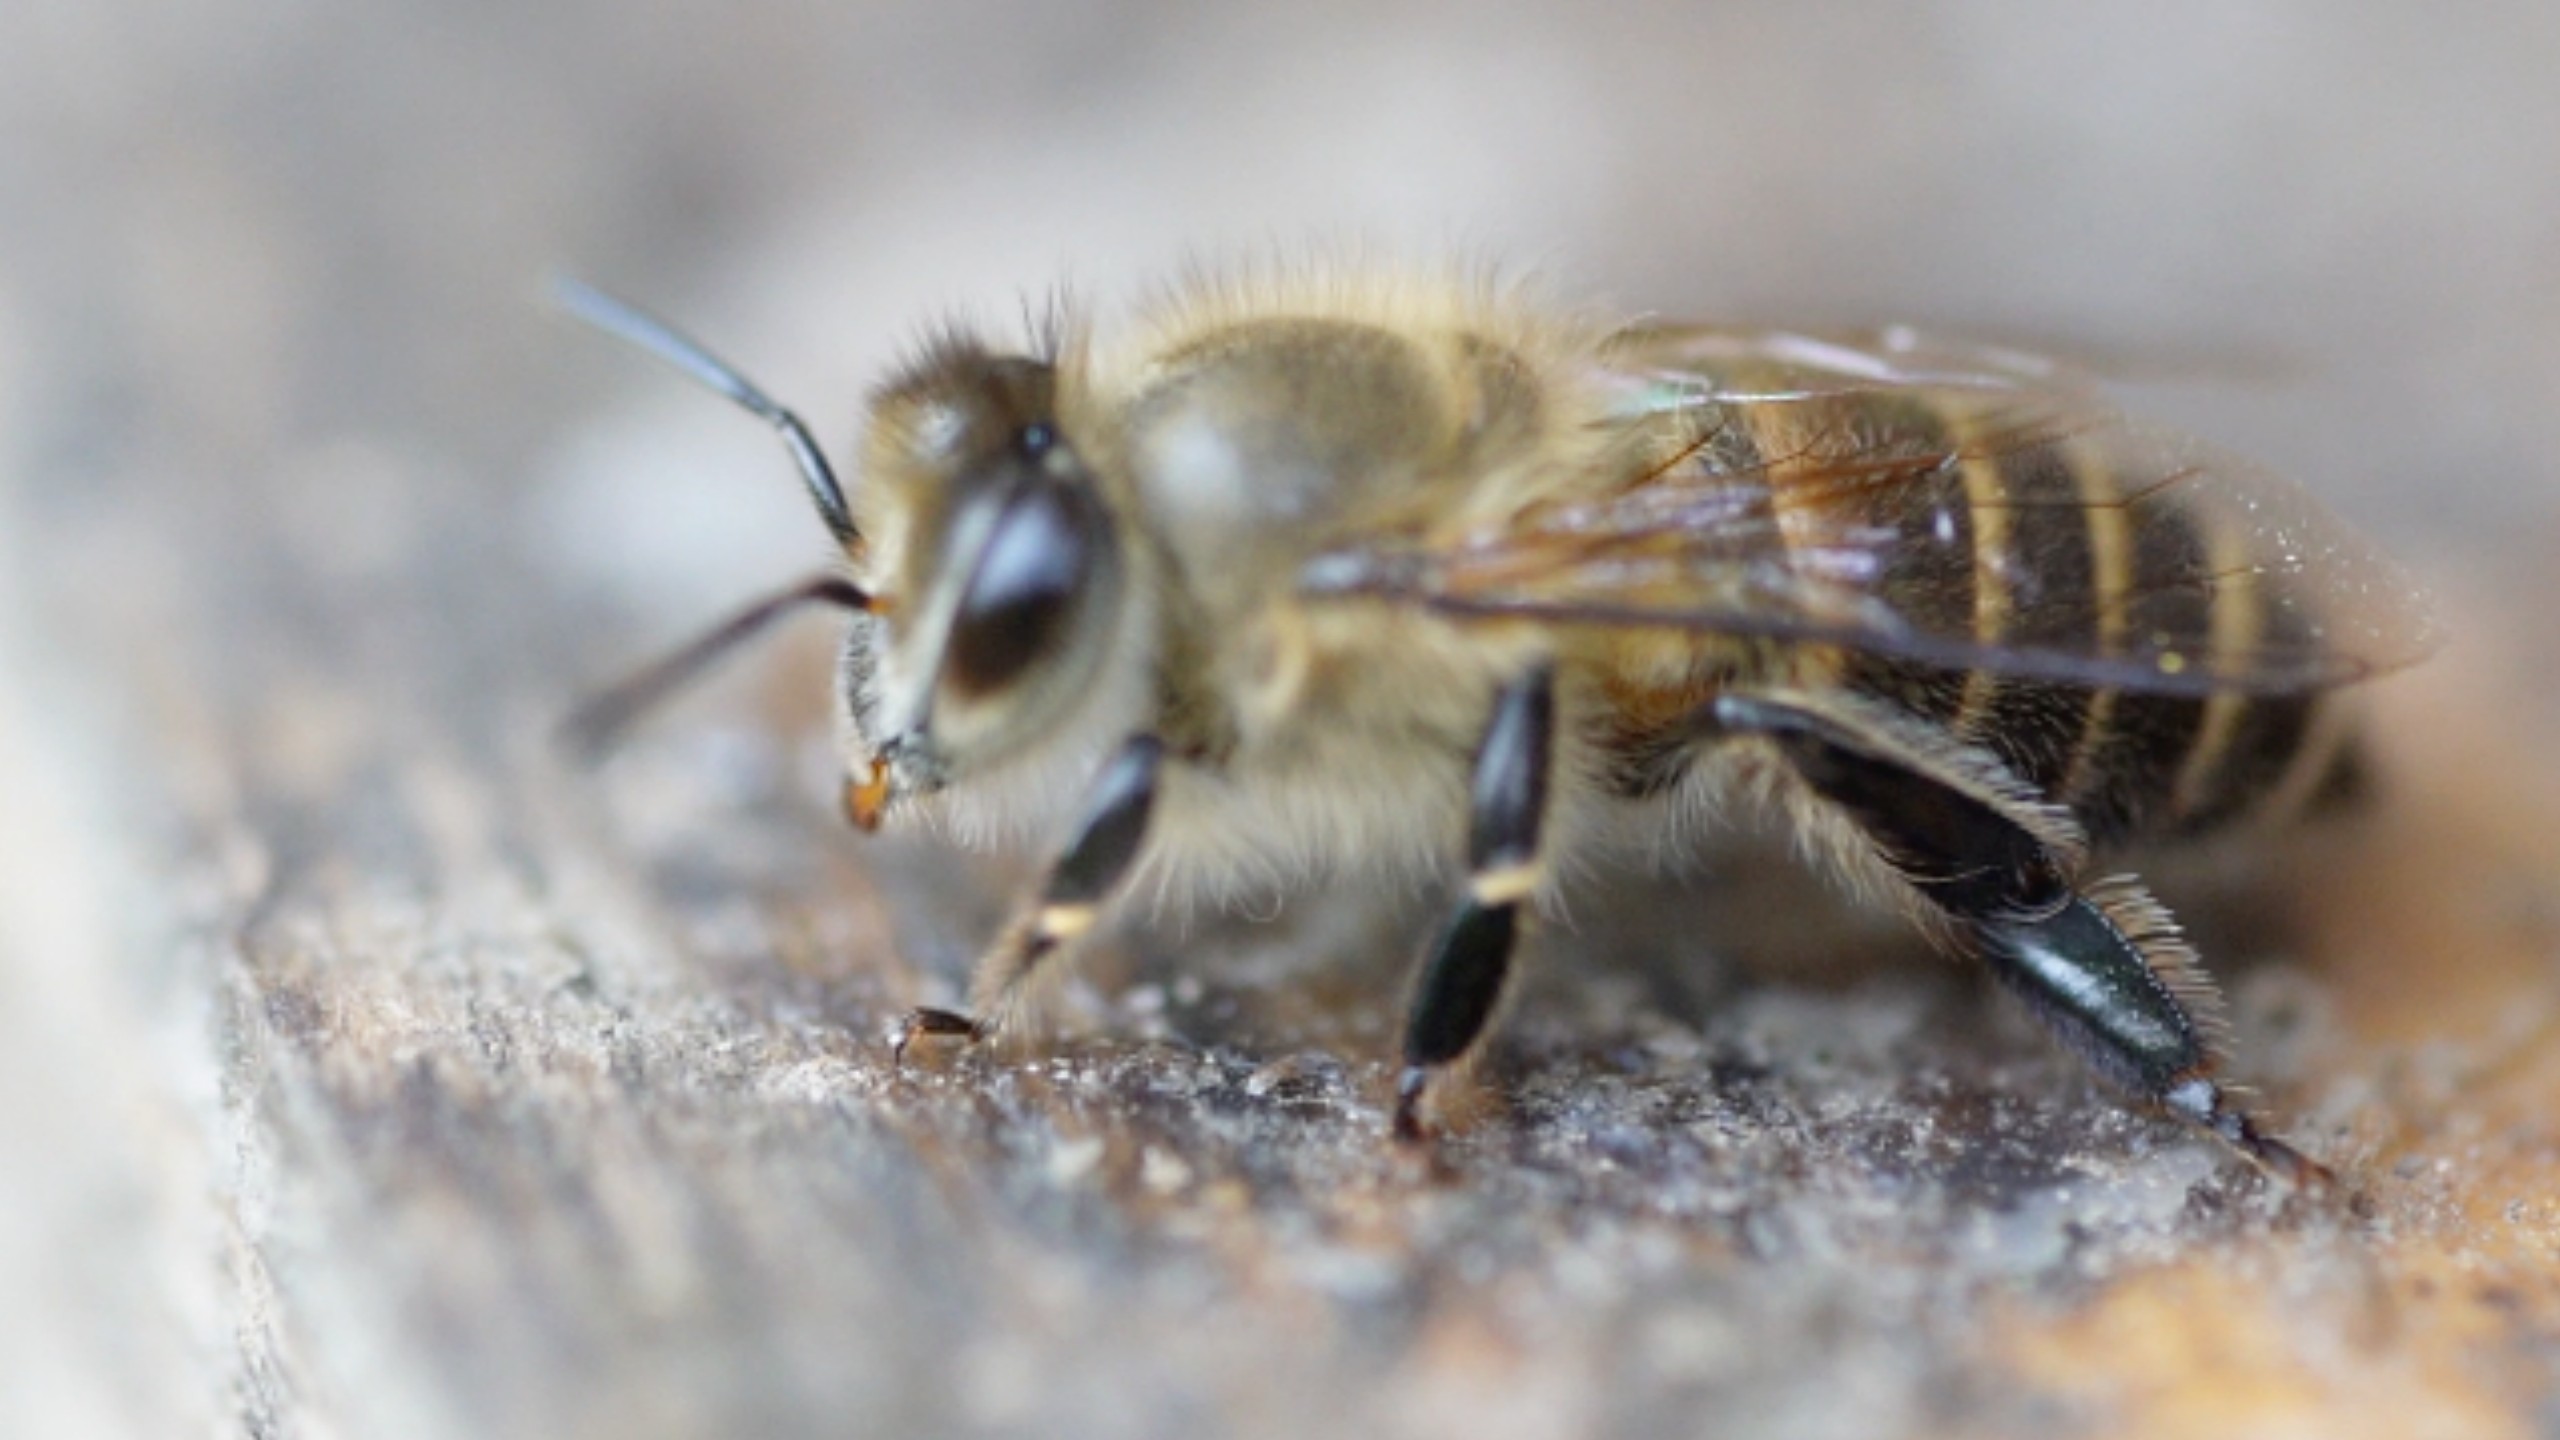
pixel 364 1071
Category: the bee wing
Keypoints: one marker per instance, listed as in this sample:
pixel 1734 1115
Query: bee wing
pixel 1959 506
pixel 1685 363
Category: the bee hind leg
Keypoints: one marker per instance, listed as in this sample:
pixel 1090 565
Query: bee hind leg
pixel 2103 966
pixel 1109 834
pixel 2109 975
pixel 1461 983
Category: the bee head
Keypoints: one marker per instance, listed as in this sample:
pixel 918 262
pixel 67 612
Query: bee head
pixel 994 564
pixel 988 572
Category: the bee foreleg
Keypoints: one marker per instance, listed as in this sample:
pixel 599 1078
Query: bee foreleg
pixel 1461 984
pixel 1108 836
pixel 2104 968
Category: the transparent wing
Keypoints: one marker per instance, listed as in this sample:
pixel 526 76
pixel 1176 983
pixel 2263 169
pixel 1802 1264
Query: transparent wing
pixel 1963 506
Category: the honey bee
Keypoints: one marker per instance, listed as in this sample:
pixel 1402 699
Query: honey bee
pixel 1419 576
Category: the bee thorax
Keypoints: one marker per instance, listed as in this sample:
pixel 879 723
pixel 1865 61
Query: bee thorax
pixel 1246 444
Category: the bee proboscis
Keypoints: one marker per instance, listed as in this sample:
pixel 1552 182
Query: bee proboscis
pixel 1415 575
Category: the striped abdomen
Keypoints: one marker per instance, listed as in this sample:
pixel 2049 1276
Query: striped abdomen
pixel 2033 531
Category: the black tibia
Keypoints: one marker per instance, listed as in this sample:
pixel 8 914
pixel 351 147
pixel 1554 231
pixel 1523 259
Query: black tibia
pixel 2093 985
pixel 2107 972
pixel 1461 983
pixel 1113 828
pixel 1108 837
pixel 1954 843
pixel 2098 987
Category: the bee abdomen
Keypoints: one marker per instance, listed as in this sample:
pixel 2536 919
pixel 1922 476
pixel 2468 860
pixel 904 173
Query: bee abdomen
pixel 2163 772
pixel 2139 765
pixel 2021 540
pixel 2170 766
pixel 2043 543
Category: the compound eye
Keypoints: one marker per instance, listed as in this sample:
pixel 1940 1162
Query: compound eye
pixel 1028 583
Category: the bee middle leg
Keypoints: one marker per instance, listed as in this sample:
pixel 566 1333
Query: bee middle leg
pixel 1461 983
pixel 1108 836
pixel 2102 966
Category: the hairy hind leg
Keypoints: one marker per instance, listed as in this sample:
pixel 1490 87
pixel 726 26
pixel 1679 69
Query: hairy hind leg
pixel 2102 966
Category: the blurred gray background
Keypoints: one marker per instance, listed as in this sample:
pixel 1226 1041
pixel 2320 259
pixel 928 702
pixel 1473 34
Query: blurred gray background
pixel 282 415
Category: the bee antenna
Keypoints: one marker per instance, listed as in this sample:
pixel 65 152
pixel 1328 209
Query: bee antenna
pixel 601 721
pixel 633 325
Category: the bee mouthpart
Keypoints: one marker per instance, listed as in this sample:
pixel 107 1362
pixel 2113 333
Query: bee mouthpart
pixel 866 796
pixel 904 764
